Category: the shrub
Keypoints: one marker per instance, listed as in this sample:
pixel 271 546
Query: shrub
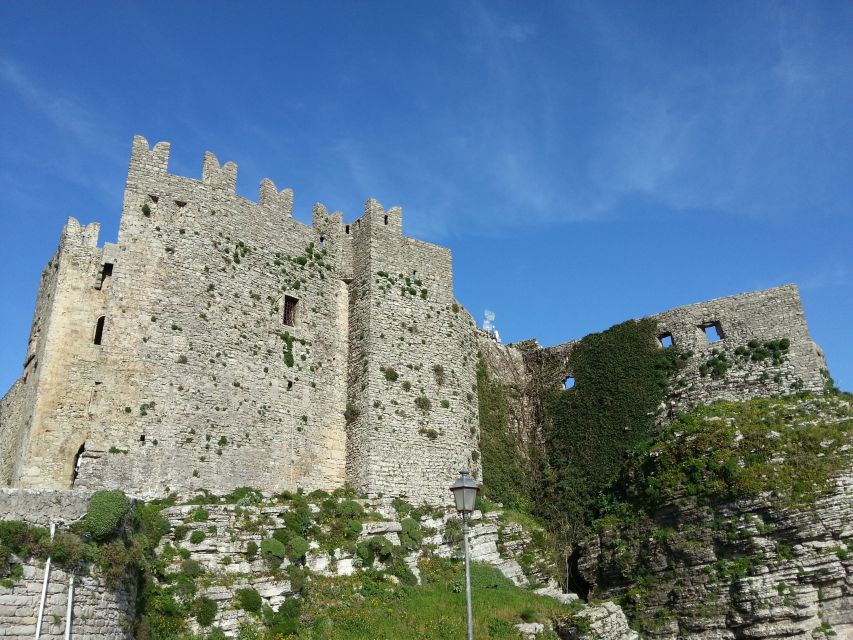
pixel 204 610
pixel 273 552
pixel 191 568
pixel 402 507
pixel 252 549
pixel 106 511
pixel 411 536
pixel 197 537
pixel 146 211
pixel 68 550
pixel 249 600
pixel 180 532
pixel 440 376
pixel 373 548
pixel 349 509
pixel 390 374
pixel 297 547
pixel 199 515
pixel 284 622
pixel 351 413
pixel 528 614
pixel 423 403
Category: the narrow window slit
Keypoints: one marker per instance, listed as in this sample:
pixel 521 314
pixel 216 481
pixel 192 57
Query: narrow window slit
pixel 99 330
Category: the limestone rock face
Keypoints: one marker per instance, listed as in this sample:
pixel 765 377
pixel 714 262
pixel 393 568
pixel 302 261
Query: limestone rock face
pixel 743 569
pixel 605 621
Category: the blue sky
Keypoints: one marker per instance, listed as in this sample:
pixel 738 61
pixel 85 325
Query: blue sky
pixel 586 162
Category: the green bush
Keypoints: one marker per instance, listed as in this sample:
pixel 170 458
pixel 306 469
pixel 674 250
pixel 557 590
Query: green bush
pixel 297 547
pixel 199 515
pixel 411 536
pixel 204 610
pixel 197 537
pixel 106 511
pixel 68 551
pixel 191 568
pixel 375 547
pixel 351 413
pixel 249 600
pixel 402 507
pixel 390 374
pixel 423 403
pixel 285 621
pixel 349 509
pixel 244 495
pixel 252 549
pixel 273 552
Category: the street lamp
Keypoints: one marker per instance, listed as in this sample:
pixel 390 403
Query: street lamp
pixel 465 494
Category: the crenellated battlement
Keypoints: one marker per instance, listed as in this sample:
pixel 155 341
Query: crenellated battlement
pixel 149 166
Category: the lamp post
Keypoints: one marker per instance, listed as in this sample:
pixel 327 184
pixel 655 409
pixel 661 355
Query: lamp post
pixel 465 494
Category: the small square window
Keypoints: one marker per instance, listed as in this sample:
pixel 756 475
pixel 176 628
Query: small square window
pixel 665 340
pixel 569 382
pixel 713 331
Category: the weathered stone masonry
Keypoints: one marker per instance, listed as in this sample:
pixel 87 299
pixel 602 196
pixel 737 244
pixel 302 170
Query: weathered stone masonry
pixel 220 343
pixel 198 382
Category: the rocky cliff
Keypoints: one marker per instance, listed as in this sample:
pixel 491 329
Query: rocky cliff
pixel 738 523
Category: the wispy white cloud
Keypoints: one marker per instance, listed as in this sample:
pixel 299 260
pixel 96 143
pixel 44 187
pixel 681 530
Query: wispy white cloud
pixel 64 112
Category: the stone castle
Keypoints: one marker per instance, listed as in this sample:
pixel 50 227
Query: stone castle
pixel 220 343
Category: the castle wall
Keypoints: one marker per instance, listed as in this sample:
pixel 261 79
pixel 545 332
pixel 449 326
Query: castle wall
pixel 744 324
pixel 412 366
pixel 197 381
pixel 16 407
pixel 760 316
pixel 63 360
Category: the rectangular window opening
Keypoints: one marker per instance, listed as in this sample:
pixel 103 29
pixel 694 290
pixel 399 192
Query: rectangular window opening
pixel 106 272
pixel 665 340
pixel 713 331
pixel 289 316
pixel 569 382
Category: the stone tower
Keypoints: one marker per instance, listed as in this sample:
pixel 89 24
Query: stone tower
pixel 221 343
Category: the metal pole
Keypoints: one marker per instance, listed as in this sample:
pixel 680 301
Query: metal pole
pixel 467 577
pixel 70 608
pixel 44 587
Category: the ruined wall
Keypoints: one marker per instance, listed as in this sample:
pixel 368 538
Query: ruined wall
pixel 739 365
pixel 506 365
pixel 412 370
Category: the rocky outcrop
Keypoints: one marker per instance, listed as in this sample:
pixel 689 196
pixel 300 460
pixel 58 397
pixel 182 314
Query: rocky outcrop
pixel 605 621
pixel 751 568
